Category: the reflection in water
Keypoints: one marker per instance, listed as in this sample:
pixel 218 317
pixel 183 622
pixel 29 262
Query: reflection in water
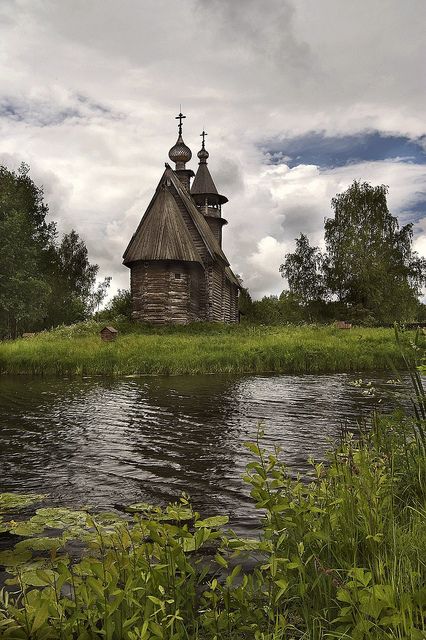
pixel 99 442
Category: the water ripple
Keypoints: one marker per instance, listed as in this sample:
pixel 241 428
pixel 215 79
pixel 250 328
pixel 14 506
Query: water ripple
pixel 101 442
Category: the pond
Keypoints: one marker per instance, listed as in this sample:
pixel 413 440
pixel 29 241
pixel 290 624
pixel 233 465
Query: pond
pixel 101 442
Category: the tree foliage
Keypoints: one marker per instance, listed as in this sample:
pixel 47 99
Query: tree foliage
pixel 120 305
pixel 369 271
pixel 303 270
pixel 43 282
pixel 369 260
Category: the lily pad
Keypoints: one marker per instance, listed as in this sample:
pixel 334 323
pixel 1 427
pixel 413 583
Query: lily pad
pixel 40 544
pixel 25 528
pixel 139 507
pixel 177 515
pixel 59 518
pixel 11 558
pixel 13 501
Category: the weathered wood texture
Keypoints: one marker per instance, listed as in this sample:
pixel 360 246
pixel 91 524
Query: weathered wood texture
pixel 179 273
pixel 215 225
pixel 168 292
pixel 108 334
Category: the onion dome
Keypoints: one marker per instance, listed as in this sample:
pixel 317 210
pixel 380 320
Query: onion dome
pixel 180 153
pixel 203 154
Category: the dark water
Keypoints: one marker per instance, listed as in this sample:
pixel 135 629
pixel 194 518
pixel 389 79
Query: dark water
pixel 99 442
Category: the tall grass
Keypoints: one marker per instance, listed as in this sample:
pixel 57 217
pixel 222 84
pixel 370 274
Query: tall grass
pixel 201 348
pixel 342 557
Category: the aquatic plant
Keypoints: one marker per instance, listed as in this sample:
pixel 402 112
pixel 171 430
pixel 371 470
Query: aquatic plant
pixel 342 557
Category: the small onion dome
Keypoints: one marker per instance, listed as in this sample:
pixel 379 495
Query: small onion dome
pixel 203 154
pixel 180 153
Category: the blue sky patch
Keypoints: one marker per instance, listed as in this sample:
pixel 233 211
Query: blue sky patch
pixel 45 114
pixel 37 114
pixel 415 211
pixel 329 152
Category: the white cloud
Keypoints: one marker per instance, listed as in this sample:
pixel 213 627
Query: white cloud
pixel 89 91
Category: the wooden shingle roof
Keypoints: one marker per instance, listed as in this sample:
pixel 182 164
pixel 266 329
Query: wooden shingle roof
pixel 203 184
pixel 162 233
pixel 199 220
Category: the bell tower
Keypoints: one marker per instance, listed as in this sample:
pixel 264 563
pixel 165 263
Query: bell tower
pixel 205 194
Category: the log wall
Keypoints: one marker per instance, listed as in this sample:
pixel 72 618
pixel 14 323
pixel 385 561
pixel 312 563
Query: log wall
pixel 168 292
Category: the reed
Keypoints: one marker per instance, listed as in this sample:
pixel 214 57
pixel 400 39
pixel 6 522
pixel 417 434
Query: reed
pixel 202 348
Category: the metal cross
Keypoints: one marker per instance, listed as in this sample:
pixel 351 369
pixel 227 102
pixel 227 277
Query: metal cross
pixel 203 135
pixel 180 117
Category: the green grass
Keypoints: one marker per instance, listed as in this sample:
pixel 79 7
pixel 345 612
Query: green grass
pixel 201 348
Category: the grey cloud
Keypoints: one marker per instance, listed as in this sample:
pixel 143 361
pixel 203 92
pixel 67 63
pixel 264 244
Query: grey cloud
pixel 39 115
pixel 229 175
pixel 47 113
pixel 105 79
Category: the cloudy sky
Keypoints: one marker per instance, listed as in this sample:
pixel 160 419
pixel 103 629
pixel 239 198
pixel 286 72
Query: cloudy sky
pixel 299 97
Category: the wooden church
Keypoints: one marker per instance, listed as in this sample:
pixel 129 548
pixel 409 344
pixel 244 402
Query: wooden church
pixel 178 271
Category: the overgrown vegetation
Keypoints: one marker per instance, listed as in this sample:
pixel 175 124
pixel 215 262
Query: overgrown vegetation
pixel 341 557
pixel 200 348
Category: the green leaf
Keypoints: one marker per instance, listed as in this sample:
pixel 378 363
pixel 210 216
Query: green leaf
pixel 156 629
pixel 13 559
pixel 212 523
pixel 96 585
pixel 344 596
pixel 42 578
pixel 283 584
pixel 221 561
pixel 189 544
pixel 251 446
pixel 41 616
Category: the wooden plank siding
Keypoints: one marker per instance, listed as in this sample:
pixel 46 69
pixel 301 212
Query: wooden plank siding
pixel 179 273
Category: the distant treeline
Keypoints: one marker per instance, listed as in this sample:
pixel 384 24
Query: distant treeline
pixel 287 308
pixel 44 281
pixel 367 274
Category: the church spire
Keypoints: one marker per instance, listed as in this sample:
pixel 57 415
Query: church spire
pixel 203 154
pixel 203 188
pixel 205 195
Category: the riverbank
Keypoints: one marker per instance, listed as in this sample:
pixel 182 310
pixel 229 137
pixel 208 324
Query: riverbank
pixel 203 348
pixel 342 557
